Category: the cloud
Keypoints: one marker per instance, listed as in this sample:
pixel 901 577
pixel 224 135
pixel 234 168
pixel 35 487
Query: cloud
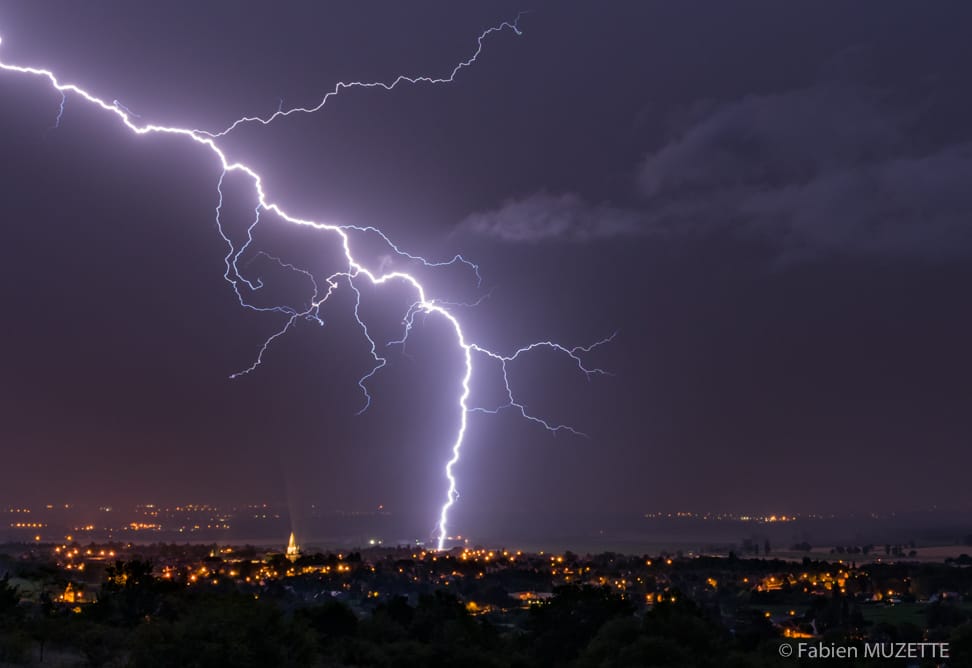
pixel 546 217
pixel 831 168
pixel 901 206
pixel 773 140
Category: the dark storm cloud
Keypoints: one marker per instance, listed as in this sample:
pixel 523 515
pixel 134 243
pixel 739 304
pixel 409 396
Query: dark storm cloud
pixel 827 168
pixel 903 206
pixel 543 216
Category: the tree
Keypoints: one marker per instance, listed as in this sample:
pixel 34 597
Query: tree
pixel 224 630
pixel 680 619
pixel 101 643
pixel 944 615
pixel 620 642
pixel 330 621
pixel 9 601
pixel 960 645
pixel 561 628
pixel 127 575
pixel 130 593
pixel 14 643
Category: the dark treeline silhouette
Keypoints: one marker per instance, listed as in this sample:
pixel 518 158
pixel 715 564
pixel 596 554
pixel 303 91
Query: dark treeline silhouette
pixel 147 622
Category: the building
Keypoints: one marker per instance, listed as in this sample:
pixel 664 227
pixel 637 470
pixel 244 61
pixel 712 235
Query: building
pixel 293 549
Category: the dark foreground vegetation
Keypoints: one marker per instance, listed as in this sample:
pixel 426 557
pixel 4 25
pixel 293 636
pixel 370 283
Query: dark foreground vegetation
pixel 146 621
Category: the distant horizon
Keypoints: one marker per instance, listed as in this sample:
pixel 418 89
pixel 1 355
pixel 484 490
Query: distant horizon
pixel 754 514
pixel 593 532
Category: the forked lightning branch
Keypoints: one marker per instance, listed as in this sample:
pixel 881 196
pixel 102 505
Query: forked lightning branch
pixel 353 273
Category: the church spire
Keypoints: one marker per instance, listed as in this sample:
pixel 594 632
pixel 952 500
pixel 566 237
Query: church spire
pixel 293 549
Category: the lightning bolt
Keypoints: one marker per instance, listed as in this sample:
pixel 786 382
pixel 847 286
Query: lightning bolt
pixel 354 271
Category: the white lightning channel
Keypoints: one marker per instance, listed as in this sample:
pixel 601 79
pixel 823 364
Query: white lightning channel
pixel 354 269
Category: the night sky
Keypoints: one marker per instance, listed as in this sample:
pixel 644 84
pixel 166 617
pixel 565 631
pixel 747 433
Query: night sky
pixel 769 202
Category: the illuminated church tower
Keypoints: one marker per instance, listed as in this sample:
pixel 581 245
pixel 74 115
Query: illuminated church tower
pixel 293 549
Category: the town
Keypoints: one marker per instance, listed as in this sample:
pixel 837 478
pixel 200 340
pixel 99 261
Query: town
pixel 70 599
